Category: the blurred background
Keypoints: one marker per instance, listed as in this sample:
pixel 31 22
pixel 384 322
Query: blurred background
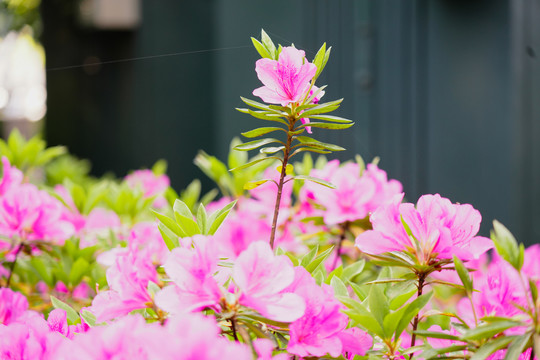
pixel 446 92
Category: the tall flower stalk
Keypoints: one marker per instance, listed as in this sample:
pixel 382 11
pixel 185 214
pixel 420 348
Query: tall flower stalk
pixel 289 86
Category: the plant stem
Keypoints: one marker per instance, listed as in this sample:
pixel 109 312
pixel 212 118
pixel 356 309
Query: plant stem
pixel 421 280
pixel 286 154
pixel 21 245
pixel 233 327
pixel 344 226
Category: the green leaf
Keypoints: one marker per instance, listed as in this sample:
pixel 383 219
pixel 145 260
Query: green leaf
pixel 306 259
pixel 506 244
pixel 261 131
pixel 251 163
pixel 517 347
pixel 486 331
pixel 318 151
pixel 260 48
pixel 184 218
pixel 254 184
pixel 339 287
pixel 378 304
pixel 534 290
pixel 432 353
pixel 266 115
pixel 202 218
pixel 436 335
pixel 320 109
pixel 79 268
pixel 318 60
pixel 269 45
pixel 217 217
pixel 271 150
pixel 170 224
pixel 72 315
pixel 319 259
pixel 42 270
pixel 88 317
pixel 491 346
pixel 256 105
pixel 307 141
pixel 160 167
pixel 169 241
pixel 256 144
pixel 401 299
pixel 353 270
pixel 463 275
pixel 324 125
pixel 412 309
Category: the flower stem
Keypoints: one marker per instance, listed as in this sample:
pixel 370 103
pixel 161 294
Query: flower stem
pixel 21 245
pixel 286 153
pixel 344 227
pixel 233 327
pixel 421 280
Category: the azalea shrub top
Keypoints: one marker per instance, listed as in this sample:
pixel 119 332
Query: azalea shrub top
pixel 292 256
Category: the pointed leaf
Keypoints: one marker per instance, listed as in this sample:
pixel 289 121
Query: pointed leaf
pixel 261 131
pixel 256 144
pixel 323 125
pixel 72 315
pixel 218 217
pixel 260 48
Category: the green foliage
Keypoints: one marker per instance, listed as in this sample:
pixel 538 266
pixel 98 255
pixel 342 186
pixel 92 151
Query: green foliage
pixel 507 246
pixel 186 224
pixel 26 154
pixel 68 167
pixel 231 183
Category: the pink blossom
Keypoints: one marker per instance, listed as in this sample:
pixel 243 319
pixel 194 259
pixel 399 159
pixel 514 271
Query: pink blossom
pixel 57 321
pixel 11 177
pixel 499 287
pixel 355 196
pixel 32 214
pixel 286 80
pixel 441 228
pixel 29 338
pixel 151 185
pixel 128 281
pixel 12 305
pixel 264 349
pixel 146 236
pixel 193 273
pixel 318 331
pixel 261 278
pixel 355 342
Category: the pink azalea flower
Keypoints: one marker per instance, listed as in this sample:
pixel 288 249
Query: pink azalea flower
pixel 193 273
pixel 261 278
pixel 286 80
pixel 264 349
pixel 200 339
pixel 355 342
pixel 499 287
pixel 442 229
pixel 128 281
pixel 57 321
pixel 146 236
pixel 12 305
pixel 355 196
pixel 318 331
pixel 29 338
pixel 11 177
pixel 151 185
pixel 32 214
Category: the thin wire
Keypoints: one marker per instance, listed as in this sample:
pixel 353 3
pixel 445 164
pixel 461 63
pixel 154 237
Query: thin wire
pixel 144 58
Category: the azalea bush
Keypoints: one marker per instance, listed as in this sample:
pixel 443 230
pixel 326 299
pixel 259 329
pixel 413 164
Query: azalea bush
pixel 292 256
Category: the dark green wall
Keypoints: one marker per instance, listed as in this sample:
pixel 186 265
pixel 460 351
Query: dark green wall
pixel 444 91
